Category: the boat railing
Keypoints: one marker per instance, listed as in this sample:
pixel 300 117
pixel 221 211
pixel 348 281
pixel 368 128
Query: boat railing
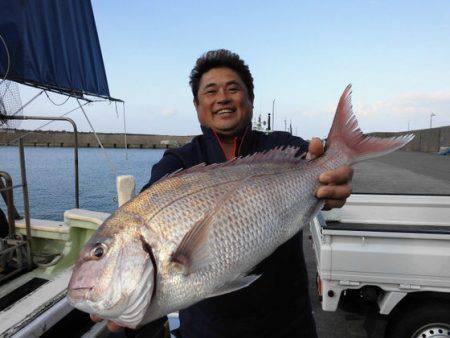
pixel 75 147
pixel 15 251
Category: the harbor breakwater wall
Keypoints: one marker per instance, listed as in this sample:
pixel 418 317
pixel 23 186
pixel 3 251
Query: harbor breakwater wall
pixel 88 140
pixel 425 140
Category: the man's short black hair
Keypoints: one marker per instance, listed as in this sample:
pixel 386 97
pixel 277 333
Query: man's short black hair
pixel 216 59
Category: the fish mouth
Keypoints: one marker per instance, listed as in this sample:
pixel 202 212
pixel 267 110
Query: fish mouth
pixel 79 293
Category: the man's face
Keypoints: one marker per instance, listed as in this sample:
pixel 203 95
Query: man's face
pixel 223 102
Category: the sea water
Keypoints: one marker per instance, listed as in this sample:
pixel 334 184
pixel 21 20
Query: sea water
pixel 51 182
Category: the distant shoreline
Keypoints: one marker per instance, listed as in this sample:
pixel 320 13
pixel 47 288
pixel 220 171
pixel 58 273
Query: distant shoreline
pixel 62 139
pixel 425 140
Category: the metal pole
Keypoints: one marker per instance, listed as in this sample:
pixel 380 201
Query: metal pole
pixel 26 203
pixel 431 119
pixel 273 114
pixel 75 155
pixel 75 135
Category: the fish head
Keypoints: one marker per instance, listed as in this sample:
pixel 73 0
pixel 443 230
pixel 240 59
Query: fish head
pixel 114 276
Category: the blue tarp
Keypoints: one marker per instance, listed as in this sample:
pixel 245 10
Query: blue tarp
pixel 52 44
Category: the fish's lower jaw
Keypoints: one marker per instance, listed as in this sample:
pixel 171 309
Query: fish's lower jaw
pixel 137 302
pixel 73 301
pixel 102 308
pixel 82 305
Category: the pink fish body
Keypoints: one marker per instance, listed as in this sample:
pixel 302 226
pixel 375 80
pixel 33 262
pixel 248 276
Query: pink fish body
pixel 198 233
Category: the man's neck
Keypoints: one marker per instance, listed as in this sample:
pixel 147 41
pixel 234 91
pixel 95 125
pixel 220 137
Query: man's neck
pixel 227 139
pixel 228 143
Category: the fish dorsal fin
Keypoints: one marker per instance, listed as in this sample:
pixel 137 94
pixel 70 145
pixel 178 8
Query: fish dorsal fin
pixel 280 154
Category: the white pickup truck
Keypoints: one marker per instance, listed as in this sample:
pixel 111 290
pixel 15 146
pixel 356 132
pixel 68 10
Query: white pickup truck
pixel 389 253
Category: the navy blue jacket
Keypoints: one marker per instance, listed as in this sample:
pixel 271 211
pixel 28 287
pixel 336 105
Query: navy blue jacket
pixel 277 304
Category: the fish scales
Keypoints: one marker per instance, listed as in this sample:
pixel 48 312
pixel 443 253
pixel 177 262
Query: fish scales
pixel 169 205
pixel 255 218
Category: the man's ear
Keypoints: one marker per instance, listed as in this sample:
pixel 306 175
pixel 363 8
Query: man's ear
pixel 195 102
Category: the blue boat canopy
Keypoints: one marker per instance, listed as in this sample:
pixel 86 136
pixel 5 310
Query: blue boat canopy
pixel 52 44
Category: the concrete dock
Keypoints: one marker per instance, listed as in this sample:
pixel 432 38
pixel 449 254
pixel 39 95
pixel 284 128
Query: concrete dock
pixel 404 172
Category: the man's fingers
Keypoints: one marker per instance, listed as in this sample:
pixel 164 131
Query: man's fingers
pixel 331 204
pixel 95 318
pixel 113 327
pixel 334 191
pixel 338 176
pixel 315 148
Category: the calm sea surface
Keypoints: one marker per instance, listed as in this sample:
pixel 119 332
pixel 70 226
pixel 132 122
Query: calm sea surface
pixel 51 180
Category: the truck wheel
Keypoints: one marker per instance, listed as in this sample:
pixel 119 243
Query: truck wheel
pixel 431 320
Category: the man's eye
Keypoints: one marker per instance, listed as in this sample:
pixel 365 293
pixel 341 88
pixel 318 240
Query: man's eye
pixel 234 89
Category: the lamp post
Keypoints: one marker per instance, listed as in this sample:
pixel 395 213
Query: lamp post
pixel 431 119
pixel 273 114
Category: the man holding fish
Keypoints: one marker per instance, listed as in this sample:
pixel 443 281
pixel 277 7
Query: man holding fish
pixel 276 302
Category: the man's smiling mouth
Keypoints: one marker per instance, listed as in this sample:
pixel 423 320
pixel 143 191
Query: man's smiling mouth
pixel 224 111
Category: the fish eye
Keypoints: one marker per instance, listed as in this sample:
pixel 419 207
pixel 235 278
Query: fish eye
pixel 99 250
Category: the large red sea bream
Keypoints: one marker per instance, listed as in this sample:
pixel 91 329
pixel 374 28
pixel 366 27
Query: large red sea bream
pixel 198 233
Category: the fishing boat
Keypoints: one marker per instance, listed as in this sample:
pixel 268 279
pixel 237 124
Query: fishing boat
pixel 36 255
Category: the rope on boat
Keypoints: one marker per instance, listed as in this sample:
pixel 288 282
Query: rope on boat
pixel 57 104
pixel 124 127
pixel 29 101
pixel 113 167
pixel 125 130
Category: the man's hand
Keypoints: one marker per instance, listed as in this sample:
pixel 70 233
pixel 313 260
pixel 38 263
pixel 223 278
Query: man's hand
pixel 336 183
pixel 113 327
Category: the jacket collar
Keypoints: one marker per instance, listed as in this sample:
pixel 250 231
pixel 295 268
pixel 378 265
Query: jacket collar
pixel 243 139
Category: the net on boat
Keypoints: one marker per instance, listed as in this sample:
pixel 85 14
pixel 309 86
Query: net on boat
pixel 10 104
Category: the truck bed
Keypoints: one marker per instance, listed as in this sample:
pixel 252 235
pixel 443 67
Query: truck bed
pixel 396 243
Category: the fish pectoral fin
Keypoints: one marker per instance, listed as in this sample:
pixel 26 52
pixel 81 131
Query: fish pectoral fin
pixel 193 251
pixel 237 284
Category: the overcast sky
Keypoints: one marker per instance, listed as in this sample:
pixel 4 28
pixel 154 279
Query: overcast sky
pixel 301 53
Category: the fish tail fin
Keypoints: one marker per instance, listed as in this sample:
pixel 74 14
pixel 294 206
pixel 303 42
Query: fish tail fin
pixel 346 135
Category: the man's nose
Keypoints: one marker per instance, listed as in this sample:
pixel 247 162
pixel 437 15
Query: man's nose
pixel 222 97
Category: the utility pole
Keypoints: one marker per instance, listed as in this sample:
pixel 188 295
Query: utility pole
pixel 431 119
pixel 273 114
